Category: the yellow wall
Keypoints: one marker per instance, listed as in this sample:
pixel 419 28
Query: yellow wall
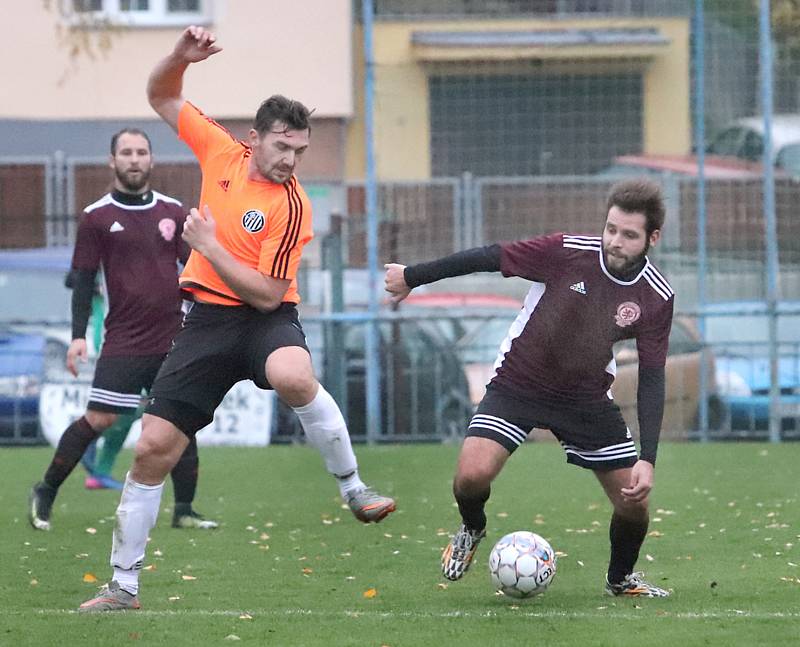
pixel 401 116
pixel 300 49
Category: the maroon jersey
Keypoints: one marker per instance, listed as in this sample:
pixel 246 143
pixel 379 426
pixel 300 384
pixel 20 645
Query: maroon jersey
pixel 560 345
pixel 137 247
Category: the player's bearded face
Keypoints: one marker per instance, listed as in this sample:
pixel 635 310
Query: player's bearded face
pixel 625 241
pixel 132 163
pixel 277 153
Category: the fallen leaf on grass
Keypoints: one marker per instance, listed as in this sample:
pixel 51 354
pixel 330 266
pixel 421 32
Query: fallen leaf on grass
pixel 370 593
pixel 89 577
pixel 441 586
pixel 188 577
pixel 307 571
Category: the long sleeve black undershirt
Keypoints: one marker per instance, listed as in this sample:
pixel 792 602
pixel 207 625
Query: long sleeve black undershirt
pixel 650 400
pixel 477 259
pixel 82 284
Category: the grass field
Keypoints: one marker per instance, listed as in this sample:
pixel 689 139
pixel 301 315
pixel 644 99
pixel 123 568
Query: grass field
pixel 289 566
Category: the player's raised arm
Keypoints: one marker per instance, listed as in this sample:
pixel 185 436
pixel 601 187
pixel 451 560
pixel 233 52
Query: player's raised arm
pixel 165 85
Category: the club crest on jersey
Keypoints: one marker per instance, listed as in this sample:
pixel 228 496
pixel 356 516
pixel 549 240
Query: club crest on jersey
pixel 253 221
pixel 627 313
pixel 167 228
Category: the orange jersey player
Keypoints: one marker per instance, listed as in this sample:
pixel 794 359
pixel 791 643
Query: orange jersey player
pixel 263 223
pixel 246 243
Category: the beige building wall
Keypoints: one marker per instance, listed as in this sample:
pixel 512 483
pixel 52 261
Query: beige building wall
pixel 402 135
pixel 301 49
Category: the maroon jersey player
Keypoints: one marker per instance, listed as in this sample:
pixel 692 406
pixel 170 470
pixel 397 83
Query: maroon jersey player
pixel 132 235
pixel 556 365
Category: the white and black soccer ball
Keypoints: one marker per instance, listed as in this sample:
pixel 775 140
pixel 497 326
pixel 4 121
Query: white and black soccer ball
pixel 522 564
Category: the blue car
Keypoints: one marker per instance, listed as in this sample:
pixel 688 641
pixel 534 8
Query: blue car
pixel 34 335
pixel 738 332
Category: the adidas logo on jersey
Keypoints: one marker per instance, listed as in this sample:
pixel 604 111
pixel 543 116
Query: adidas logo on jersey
pixel 116 227
pixel 579 287
pixel 224 184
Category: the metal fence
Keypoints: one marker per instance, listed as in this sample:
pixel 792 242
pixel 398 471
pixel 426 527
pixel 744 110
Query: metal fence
pixel 512 119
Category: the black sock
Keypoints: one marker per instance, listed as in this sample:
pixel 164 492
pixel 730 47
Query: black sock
pixel 184 477
pixel 627 537
pixel 471 507
pixel 77 437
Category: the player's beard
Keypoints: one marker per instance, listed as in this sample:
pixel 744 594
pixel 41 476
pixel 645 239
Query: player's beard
pixel 133 183
pixel 631 266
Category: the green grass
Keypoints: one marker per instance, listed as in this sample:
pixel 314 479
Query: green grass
pixel 289 566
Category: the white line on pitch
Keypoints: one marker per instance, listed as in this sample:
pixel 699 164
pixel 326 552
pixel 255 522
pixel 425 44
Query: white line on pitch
pixel 609 613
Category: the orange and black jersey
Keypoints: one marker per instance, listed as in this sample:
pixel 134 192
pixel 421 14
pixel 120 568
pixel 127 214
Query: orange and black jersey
pixel 262 224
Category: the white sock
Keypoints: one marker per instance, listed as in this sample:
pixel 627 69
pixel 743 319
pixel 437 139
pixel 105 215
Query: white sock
pixel 326 430
pixel 136 515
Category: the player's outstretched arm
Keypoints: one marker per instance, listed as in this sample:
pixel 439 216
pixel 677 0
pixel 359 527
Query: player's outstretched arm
pixel 165 85
pixel 400 280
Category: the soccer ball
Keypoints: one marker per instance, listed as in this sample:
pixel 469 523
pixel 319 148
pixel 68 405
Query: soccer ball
pixel 522 564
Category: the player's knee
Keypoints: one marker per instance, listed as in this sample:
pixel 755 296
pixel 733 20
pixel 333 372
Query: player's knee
pixel 632 510
pixel 100 420
pixel 295 388
pixel 471 480
pixel 153 459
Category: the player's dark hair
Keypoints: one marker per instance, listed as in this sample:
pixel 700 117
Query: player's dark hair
pixel 129 131
pixel 278 108
pixel 639 195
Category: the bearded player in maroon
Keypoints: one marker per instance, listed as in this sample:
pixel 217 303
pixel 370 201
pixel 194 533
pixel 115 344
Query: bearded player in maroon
pixel 134 235
pixel 556 366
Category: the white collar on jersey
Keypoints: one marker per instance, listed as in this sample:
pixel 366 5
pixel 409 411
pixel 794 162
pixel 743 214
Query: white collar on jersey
pixel 614 278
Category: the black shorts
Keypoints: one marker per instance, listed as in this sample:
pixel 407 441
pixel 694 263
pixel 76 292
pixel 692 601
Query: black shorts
pixel 594 434
pixel 119 381
pixel 217 347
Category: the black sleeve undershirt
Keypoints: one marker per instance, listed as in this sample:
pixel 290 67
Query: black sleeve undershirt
pixel 650 400
pixel 82 284
pixel 477 259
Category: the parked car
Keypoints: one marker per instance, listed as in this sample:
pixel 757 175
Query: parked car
pixel 738 331
pixel 424 389
pixel 744 139
pixel 34 336
pixel 477 324
pixel 685 363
